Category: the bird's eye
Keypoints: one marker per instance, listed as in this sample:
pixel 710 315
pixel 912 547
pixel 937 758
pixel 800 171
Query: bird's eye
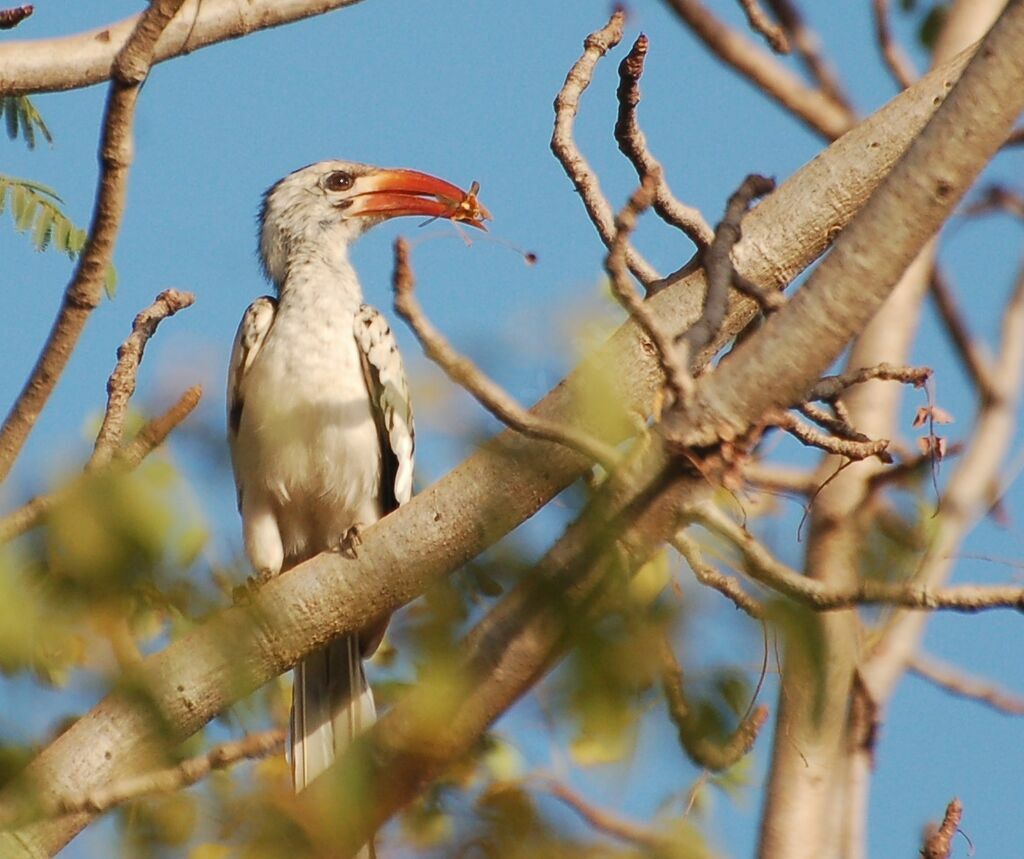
pixel 339 180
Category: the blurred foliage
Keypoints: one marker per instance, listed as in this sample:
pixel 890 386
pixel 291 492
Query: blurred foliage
pixel 21 117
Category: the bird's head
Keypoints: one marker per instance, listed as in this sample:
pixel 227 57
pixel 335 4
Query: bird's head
pixel 332 203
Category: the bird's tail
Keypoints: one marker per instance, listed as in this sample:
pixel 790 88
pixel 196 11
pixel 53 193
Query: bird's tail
pixel 331 704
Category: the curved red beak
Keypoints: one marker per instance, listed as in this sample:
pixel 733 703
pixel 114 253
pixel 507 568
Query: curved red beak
pixel 392 193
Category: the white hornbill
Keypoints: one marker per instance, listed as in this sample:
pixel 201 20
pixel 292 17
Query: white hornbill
pixel 320 425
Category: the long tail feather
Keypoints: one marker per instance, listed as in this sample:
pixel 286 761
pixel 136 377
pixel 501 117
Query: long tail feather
pixel 331 705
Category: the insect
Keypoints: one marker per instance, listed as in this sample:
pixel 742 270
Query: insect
pixel 469 210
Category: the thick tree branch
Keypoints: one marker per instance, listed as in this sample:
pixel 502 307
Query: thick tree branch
pixel 70 62
pixel 83 293
pixel 451 522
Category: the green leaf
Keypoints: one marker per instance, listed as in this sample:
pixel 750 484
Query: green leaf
pixel 22 114
pixel 44 228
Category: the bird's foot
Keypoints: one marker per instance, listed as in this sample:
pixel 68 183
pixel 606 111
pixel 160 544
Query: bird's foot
pixel 348 546
pixel 246 592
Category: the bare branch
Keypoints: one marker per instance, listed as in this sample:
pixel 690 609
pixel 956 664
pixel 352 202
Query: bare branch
pixel 965 685
pixel 633 145
pixel 604 821
pixel 467 375
pixel 704 751
pixel 713 578
pixel 185 774
pixel 677 377
pixel 150 437
pixel 975 357
pixel 813 107
pixel 773 34
pixel 834 424
pixel 896 60
pixel 10 18
pixel 121 385
pixel 851 449
pixel 831 387
pixel 808 48
pixel 996 198
pixel 939 843
pixel 84 59
pixel 719 267
pixel 778 478
pixel 763 567
pixel 563 144
pixel 85 289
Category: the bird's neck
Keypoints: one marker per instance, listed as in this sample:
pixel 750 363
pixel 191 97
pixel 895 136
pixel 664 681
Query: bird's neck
pixel 320 277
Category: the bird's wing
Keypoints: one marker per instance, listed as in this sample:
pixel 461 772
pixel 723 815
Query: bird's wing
pixel 252 332
pixel 392 411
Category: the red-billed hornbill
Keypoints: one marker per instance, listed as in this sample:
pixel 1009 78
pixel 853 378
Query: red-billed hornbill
pixel 320 424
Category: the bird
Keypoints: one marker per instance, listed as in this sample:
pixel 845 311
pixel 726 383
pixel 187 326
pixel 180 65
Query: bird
pixel 320 424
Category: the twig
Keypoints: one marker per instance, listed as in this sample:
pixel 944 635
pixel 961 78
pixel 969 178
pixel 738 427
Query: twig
pixel 758 19
pixel 121 385
pixel 711 577
pixel 188 772
pixel 633 144
pixel 830 387
pixel 898 63
pixel 808 48
pixel 814 107
pixel 467 375
pixel 563 145
pixel 677 377
pixel 718 265
pixel 975 357
pixel 1016 138
pixel 692 732
pixel 150 437
pixel 768 299
pixel 996 198
pixel 850 448
pixel 832 423
pixel 604 821
pixel 939 843
pixel 10 18
pixel 966 685
pixel 763 567
pixel 776 478
pixel 84 291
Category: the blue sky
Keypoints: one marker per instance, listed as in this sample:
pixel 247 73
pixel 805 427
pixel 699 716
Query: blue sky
pixel 464 90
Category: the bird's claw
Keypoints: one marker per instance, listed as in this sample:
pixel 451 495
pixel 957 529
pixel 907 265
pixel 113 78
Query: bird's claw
pixel 348 546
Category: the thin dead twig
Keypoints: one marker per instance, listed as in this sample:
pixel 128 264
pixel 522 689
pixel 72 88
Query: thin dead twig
pixel 758 19
pixel 467 375
pixel 718 265
pixel 121 385
pixel 975 357
pixel 188 772
pixel 633 144
pixel 711 577
pixel 814 107
pixel 828 388
pixel 692 735
pixel 996 198
pixel 604 821
pixel 965 685
pixel 938 844
pixel 10 18
pixel 777 478
pixel 896 60
pixel 763 567
pixel 564 147
pixel 832 423
pixel 677 376
pixel 857 448
pixel 808 49
pixel 150 437
pixel 83 293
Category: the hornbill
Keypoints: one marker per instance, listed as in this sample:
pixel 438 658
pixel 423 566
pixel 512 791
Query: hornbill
pixel 320 424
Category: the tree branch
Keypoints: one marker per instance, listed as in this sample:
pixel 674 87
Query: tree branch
pixel 759 21
pixel 898 63
pixel 82 295
pixel 564 147
pixel 71 62
pixel 121 385
pixel 485 391
pixel 965 685
pixel 939 844
pixel 451 522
